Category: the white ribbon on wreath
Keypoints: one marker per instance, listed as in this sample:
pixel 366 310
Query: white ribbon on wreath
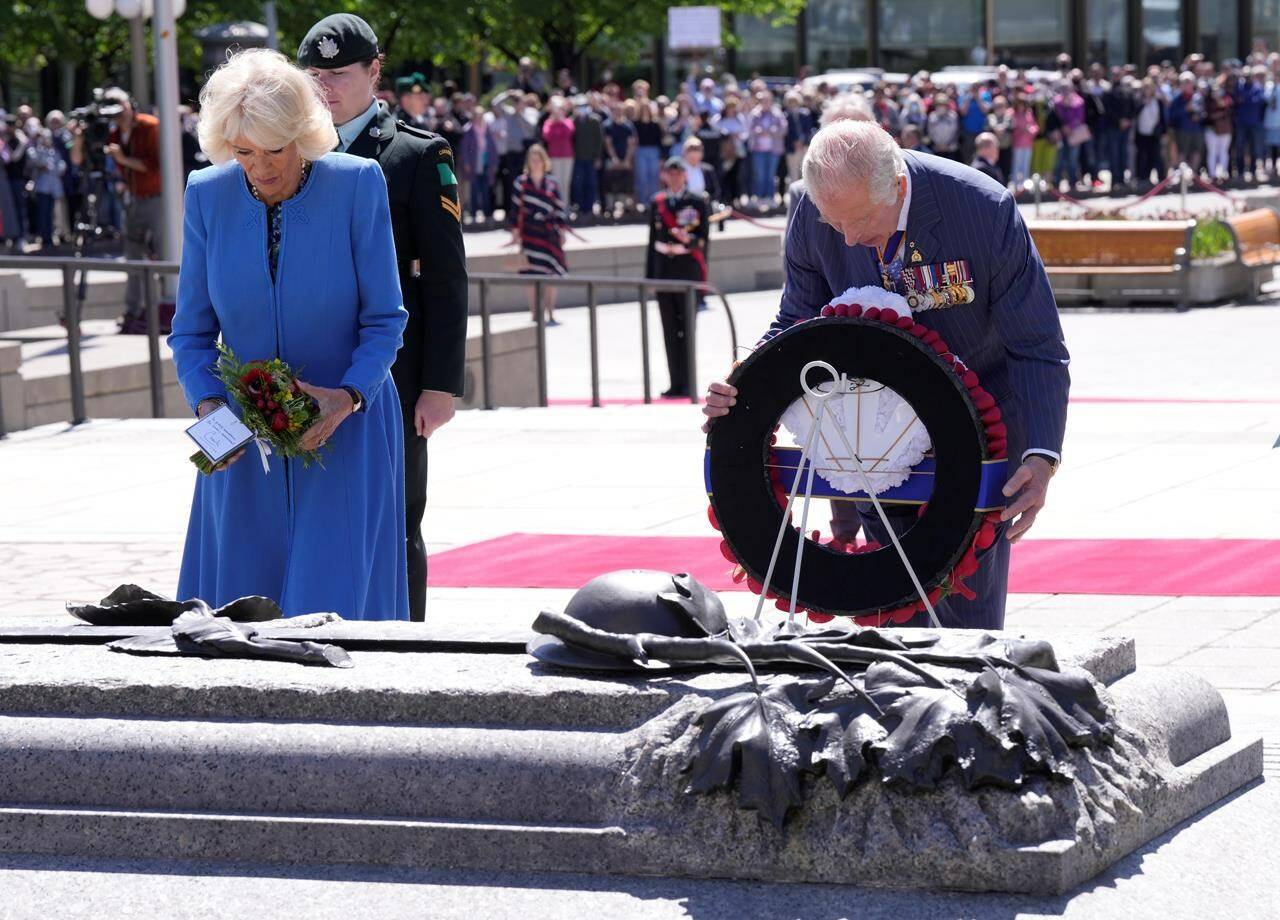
pixel 868 419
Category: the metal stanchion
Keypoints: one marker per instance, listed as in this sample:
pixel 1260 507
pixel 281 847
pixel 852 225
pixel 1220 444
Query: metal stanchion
pixel 644 343
pixel 595 344
pixel 153 343
pixel 1183 171
pixel 1037 184
pixel 691 341
pixel 542 344
pixel 71 309
pixel 486 347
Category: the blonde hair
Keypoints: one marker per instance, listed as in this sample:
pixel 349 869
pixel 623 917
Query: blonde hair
pixel 260 95
pixel 537 151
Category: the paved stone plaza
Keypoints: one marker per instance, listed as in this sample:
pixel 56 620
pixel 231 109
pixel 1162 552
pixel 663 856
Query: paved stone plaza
pixel 1170 436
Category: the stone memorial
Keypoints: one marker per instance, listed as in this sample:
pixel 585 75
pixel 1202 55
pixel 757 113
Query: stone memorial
pixel 1027 763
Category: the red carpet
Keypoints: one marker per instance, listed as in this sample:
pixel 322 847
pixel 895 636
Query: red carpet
pixel 1205 567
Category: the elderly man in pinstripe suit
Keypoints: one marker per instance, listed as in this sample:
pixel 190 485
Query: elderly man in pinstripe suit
pixel 870 211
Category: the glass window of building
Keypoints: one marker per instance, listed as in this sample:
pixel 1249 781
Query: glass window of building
pixel 837 34
pixel 929 34
pixel 1161 31
pixel 765 48
pixel 1266 22
pixel 1219 31
pixel 1029 33
pixel 1108 31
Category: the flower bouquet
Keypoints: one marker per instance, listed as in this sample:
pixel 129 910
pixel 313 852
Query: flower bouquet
pixel 270 403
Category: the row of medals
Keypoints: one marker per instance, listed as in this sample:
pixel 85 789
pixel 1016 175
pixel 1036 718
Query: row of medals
pixel 942 295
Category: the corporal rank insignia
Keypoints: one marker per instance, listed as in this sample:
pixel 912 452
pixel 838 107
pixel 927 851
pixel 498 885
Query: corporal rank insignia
pixel 451 207
pixel 938 286
pixel 327 47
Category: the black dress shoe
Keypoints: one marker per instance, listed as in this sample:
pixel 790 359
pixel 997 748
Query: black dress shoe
pixel 673 393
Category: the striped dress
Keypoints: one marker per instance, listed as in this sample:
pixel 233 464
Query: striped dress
pixel 539 222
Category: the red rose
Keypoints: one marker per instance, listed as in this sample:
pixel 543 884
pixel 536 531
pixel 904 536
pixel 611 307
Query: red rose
pixel 279 422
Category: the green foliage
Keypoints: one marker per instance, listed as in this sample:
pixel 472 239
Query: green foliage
pixel 1210 238
pixel 555 33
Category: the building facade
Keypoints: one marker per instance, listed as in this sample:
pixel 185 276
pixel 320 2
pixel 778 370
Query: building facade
pixel 908 35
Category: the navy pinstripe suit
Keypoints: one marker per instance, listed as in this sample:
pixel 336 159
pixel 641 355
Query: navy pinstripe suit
pixel 1010 335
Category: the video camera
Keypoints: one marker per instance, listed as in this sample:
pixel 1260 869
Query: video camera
pixel 95 118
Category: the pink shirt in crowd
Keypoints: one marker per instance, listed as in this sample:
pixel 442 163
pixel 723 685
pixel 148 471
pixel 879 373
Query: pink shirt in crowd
pixel 1025 128
pixel 558 135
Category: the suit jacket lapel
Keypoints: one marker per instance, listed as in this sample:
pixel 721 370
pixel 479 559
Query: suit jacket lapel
pixel 923 217
pixel 368 146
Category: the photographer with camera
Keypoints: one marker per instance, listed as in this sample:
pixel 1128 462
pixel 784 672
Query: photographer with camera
pixel 133 142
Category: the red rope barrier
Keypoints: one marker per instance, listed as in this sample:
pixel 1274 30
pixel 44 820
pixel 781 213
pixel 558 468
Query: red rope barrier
pixel 757 223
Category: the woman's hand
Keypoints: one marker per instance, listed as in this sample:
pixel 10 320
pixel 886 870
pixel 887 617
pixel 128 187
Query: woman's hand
pixel 212 405
pixel 335 406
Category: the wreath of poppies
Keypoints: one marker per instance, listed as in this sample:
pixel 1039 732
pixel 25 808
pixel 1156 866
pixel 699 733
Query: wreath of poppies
pixel 867 582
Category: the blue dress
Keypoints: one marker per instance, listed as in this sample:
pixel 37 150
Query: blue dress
pixel 328 538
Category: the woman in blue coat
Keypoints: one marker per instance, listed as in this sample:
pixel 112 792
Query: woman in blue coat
pixel 287 252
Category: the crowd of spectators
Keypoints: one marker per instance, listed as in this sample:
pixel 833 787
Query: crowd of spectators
pixel 1087 129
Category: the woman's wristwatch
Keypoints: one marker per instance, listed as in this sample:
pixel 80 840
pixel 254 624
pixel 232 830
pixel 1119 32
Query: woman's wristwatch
pixel 357 401
pixel 217 400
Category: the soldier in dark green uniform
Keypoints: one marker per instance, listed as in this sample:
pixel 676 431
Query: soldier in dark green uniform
pixel 678 227
pixel 341 51
pixel 415 101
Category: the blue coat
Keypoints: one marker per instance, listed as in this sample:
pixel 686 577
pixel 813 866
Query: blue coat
pixel 328 538
pixel 1010 335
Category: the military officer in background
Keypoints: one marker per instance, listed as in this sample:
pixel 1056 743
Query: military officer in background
pixel 415 101
pixel 678 226
pixel 341 51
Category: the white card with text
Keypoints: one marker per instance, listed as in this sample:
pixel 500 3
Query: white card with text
pixel 220 434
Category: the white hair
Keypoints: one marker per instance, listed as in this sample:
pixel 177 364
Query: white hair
pixel 260 95
pixel 853 152
pixel 852 106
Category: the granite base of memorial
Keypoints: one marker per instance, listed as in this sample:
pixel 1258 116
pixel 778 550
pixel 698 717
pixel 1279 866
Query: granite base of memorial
pixel 950 760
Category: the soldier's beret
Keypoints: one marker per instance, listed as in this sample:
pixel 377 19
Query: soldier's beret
pixel 414 82
pixel 338 41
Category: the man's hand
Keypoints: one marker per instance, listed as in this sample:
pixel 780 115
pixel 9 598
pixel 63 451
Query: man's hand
pixel 432 411
pixel 335 406
pixel 1030 484
pixel 114 151
pixel 721 397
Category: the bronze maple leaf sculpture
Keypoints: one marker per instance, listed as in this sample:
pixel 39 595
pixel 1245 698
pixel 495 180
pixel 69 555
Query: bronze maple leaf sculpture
pixel 991 710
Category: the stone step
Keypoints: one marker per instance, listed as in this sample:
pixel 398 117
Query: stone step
pixel 299 768
pixel 156 834
pixel 34 297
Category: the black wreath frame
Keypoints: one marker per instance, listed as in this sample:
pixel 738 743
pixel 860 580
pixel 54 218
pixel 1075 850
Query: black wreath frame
pixel 742 496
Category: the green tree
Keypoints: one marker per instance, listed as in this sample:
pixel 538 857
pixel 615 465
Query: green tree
pixel 559 33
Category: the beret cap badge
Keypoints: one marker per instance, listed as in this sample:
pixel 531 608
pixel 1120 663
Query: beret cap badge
pixel 327 47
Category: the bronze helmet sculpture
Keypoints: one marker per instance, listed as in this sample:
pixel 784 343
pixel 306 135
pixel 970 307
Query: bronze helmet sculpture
pixel 636 601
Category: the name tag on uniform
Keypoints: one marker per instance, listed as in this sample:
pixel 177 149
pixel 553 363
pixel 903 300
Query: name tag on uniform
pixel 219 434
